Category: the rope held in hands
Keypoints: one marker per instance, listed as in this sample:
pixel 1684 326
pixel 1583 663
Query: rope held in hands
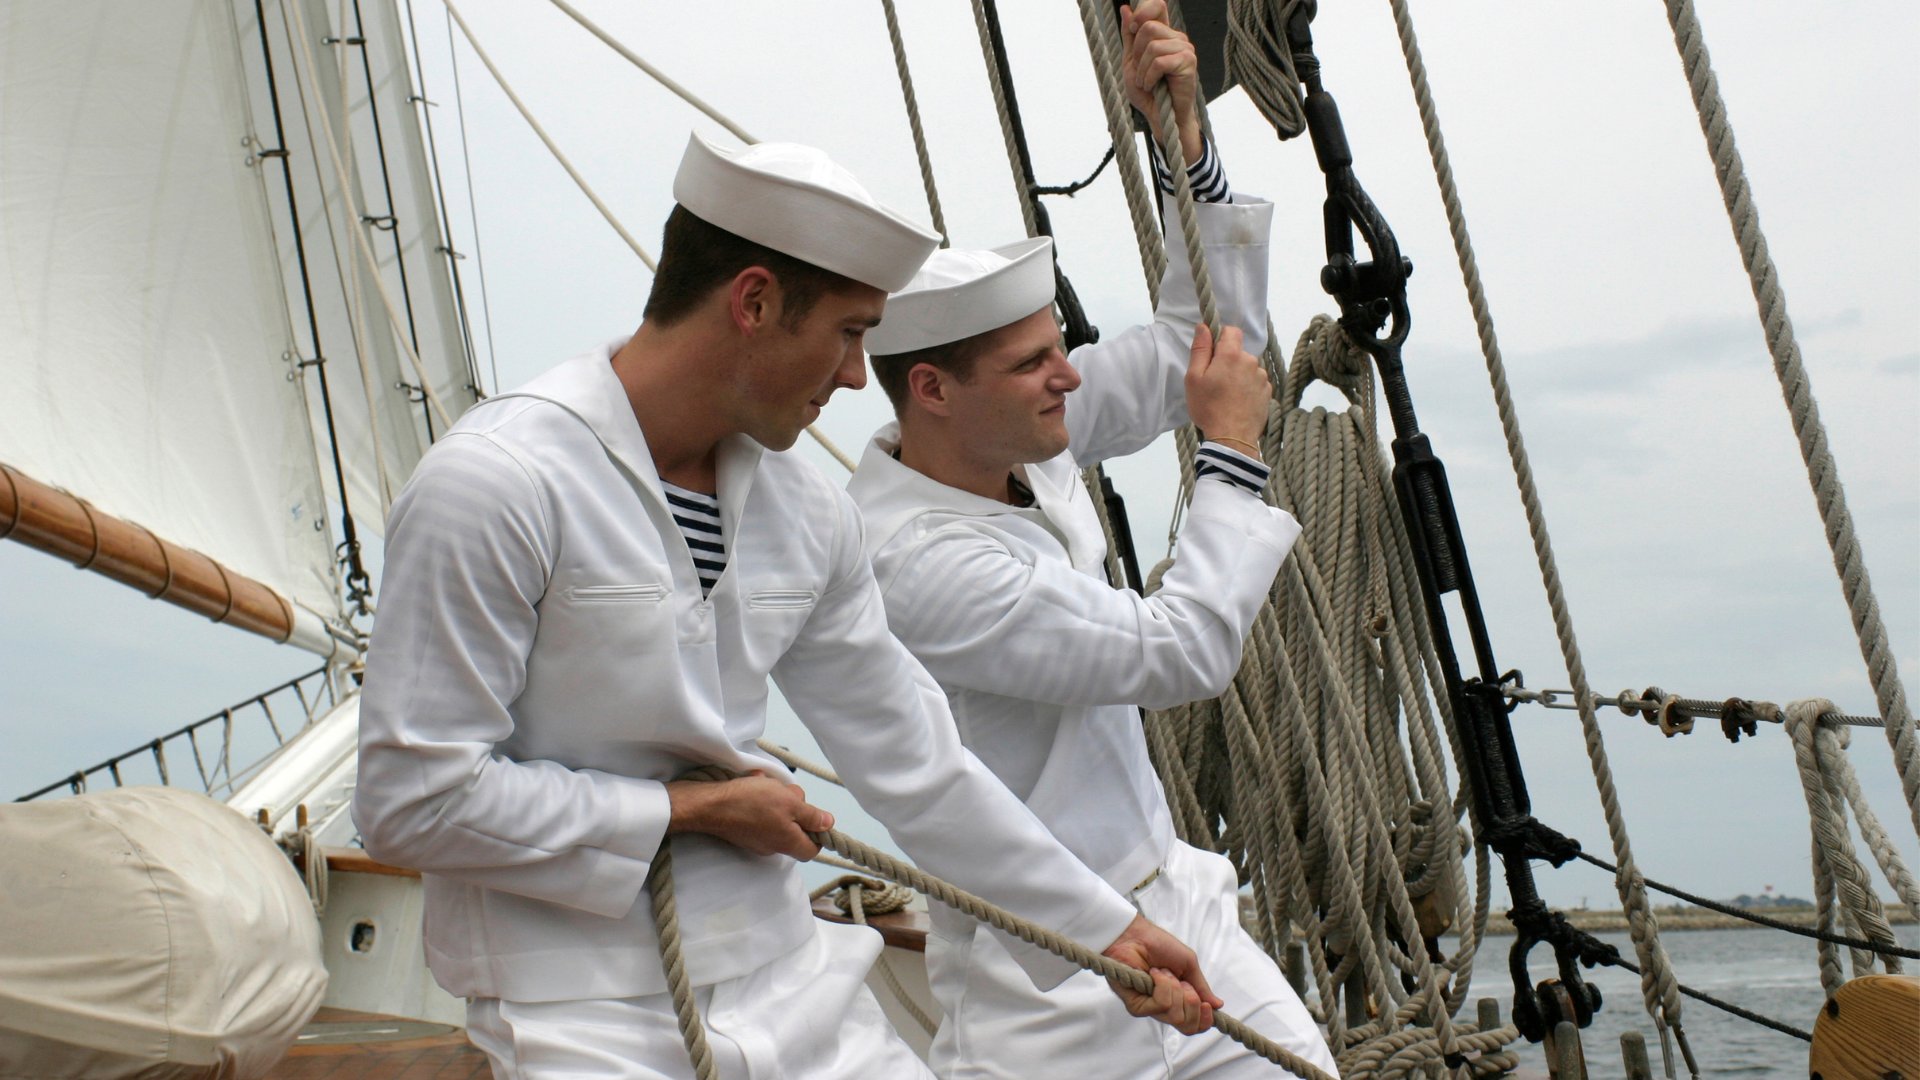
pixel 666 922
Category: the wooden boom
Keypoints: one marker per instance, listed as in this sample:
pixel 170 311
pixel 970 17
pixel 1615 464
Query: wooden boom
pixel 66 526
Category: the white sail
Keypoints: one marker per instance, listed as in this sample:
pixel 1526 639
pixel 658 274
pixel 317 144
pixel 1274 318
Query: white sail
pixel 375 269
pixel 143 328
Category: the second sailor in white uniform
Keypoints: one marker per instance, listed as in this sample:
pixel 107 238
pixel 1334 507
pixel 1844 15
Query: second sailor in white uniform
pixel 991 559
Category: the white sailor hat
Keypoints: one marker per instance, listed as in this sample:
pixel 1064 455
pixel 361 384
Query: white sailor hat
pixel 797 201
pixel 958 294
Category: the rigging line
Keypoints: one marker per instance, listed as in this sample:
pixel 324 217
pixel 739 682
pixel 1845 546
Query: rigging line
pixel 1762 920
pixel 1073 189
pixel 357 581
pixel 658 76
pixel 386 183
pixel 1728 1006
pixel 1658 981
pixel 287 322
pixel 913 119
pixel 386 175
pixel 442 214
pixel 359 236
pixel 547 140
pixel 1803 412
pixel 473 210
pixel 346 268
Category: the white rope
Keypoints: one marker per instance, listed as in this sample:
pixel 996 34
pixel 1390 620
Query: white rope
pixel 655 73
pixel 1845 895
pixel 547 140
pixel 1245 759
pixel 1797 388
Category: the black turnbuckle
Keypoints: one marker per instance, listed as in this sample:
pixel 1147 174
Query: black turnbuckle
pixel 1372 294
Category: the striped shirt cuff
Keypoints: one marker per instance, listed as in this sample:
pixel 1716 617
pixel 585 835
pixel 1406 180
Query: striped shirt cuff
pixel 1209 180
pixel 1230 466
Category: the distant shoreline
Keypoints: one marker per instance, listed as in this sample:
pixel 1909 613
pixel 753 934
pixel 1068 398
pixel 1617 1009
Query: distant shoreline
pixel 1692 918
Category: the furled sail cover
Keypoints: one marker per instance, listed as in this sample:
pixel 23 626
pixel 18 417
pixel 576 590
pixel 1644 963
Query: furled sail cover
pixel 142 319
pixel 149 932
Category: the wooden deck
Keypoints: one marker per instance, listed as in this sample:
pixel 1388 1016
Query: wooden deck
pixel 343 1045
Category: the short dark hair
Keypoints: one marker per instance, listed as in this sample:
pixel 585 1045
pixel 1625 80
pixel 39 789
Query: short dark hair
pixel 956 358
pixel 697 257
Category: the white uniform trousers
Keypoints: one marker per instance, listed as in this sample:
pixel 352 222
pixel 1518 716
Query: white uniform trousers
pixel 998 1026
pixel 805 1016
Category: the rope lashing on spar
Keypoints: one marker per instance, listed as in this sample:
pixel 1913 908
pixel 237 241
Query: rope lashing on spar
pixel 680 988
pixel 858 897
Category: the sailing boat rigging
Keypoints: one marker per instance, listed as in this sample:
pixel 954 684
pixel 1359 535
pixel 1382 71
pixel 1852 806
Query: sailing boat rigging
pixel 982 206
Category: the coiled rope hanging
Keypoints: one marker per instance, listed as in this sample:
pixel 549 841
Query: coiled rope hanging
pixel 1243 745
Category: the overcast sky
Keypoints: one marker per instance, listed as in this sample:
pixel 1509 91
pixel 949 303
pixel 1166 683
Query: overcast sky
pixel 1691 549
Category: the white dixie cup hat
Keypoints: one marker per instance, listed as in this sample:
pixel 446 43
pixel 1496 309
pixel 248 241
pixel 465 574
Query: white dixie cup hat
pixel 958 294
pixel 797 201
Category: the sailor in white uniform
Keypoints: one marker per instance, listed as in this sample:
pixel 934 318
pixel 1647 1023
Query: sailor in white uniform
pixel 589 582
pixel 991 558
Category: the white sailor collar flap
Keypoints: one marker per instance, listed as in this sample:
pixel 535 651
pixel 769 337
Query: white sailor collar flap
pixel 586 387
pixel 892 495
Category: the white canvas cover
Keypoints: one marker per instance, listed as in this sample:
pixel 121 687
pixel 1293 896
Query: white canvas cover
pixel 149 932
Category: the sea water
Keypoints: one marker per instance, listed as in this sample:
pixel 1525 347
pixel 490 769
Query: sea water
pixel 1766 971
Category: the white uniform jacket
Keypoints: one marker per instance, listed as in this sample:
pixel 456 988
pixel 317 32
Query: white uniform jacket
pixel 543 660
pixel 1010 609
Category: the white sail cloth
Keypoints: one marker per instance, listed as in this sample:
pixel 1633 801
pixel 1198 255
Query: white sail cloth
pixel 149 932
pixel 141 326
pixel 152 316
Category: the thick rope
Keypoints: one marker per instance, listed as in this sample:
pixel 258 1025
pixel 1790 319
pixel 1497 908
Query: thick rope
pixel 1133 978
pixel 1658 987
pixel 1842 886
pixel 1260 59
pixel 1334 851
pixel 988 53
pixel 666 924
pixel 859 897
pixel 913 120
pixel 1797 388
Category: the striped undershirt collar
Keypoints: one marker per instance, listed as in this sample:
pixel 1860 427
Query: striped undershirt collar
pixel 698 515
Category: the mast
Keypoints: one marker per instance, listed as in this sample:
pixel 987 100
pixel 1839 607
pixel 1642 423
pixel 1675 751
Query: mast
pixel 67 527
